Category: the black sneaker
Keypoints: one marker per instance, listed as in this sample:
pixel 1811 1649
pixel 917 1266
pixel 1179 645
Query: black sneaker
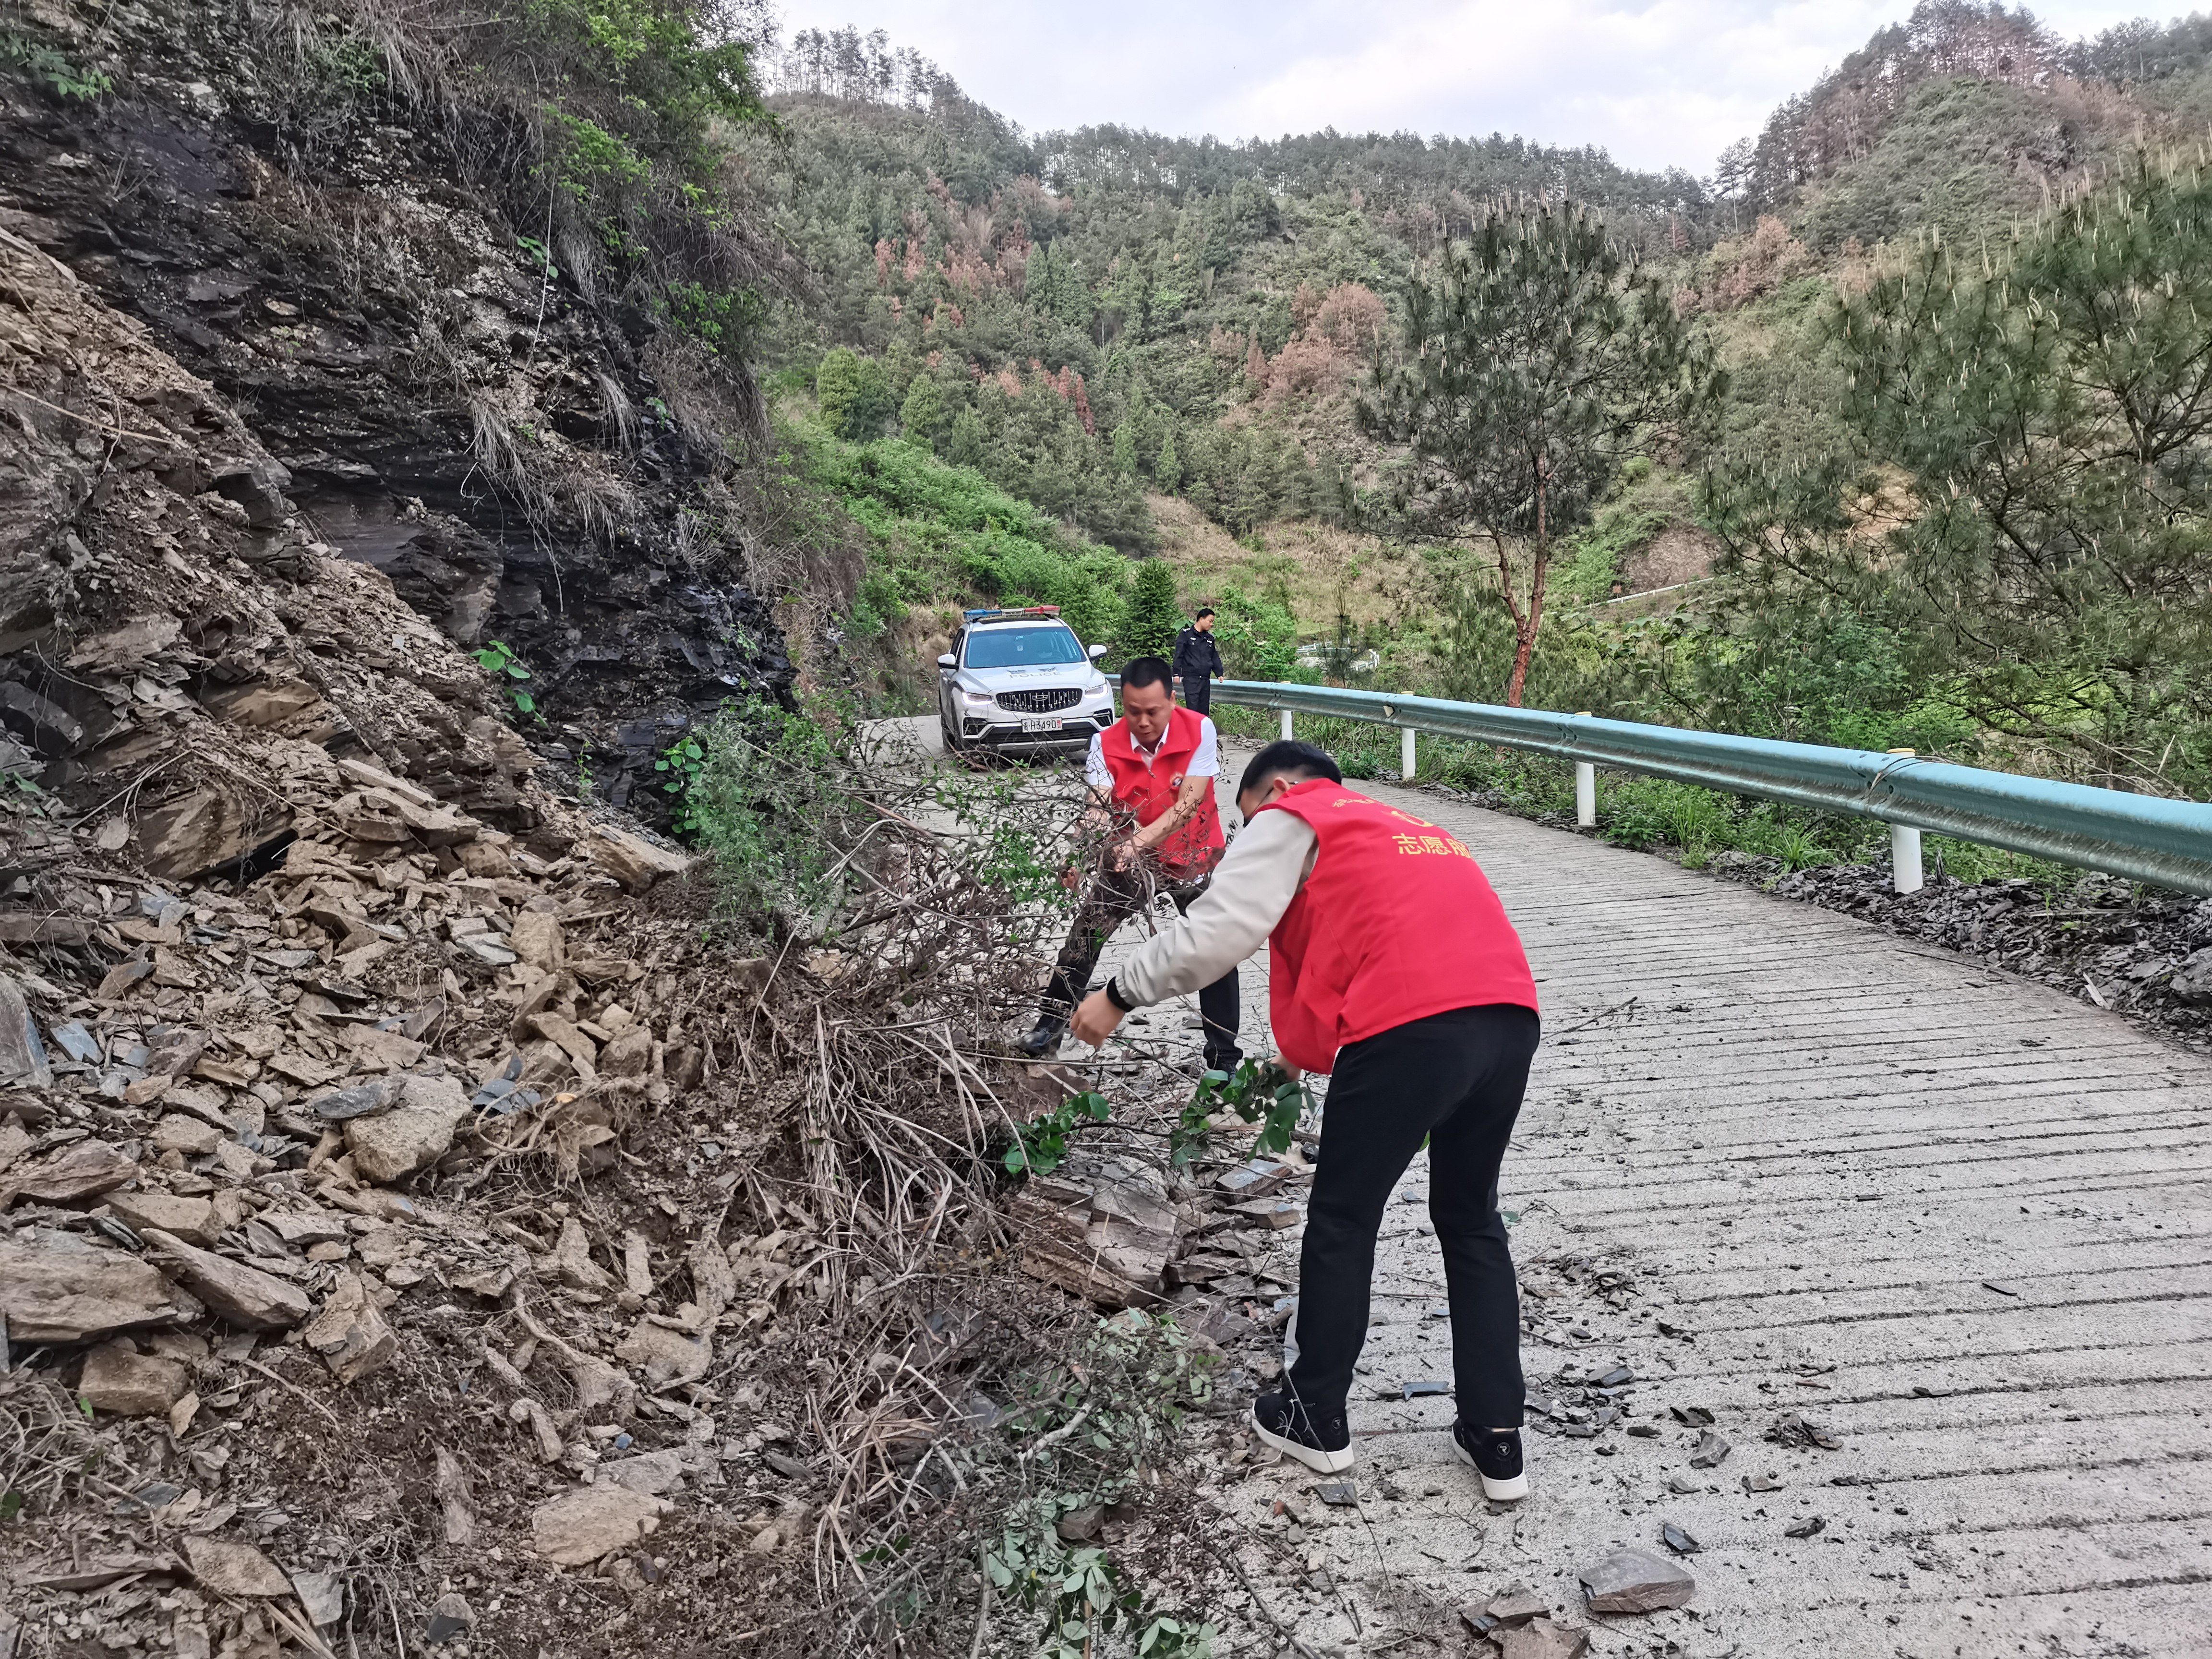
pixel 1045 1039
pixel 1495 1458
pixel 1323 1444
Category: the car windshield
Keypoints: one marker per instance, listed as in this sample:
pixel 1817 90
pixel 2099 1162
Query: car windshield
pixel 1022 647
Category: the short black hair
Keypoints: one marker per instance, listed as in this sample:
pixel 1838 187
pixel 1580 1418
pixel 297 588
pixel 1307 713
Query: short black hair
pixel 1202 613
pixel 1146 671
pixel 1287 756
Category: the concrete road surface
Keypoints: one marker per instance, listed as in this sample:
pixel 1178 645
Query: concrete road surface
pixel 1777 1164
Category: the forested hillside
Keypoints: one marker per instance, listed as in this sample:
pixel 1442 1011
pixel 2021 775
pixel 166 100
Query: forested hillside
pixel 1097 321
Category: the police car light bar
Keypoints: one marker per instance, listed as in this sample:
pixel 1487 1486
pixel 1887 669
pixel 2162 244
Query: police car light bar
pixel 989 614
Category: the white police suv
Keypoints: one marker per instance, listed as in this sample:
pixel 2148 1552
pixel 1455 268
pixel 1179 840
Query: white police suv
pixel 1019 682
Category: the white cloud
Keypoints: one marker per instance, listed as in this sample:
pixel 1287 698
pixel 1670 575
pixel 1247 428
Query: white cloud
pixel 1657 83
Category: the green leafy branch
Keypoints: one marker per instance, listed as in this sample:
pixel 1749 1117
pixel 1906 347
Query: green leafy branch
pixel 1259 1091
pixel 1041 1145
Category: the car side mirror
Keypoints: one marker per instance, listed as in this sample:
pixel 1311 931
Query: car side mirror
pixel 947 661
pixel 1097 652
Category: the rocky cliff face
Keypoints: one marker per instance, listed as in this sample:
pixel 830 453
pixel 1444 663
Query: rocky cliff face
pixel 392 376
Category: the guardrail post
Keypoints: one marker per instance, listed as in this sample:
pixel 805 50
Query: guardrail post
pixel 1904 867
pixel 1405 753
pixel 1287 726
pixel 1585 792
pixel 1905 858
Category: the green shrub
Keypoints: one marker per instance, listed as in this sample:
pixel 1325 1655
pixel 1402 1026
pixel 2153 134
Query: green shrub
pixel 854 395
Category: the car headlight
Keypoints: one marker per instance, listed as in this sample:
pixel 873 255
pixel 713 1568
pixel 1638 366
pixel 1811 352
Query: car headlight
pixel 976 699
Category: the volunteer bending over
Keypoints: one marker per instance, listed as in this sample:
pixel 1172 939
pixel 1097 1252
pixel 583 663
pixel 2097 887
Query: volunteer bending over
pixel 1392 967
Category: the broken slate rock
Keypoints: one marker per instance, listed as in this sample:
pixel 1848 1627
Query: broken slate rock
pixel 1636 1581
pixel 666 1356
pixel 536 938
pixel 456 1502
pixel 22 1055
pixel 1806 1528
pixel 581 1525
pixel 1678 1540
pixel 413 1135
pixel 191 1219
pixel 631 859
pixel 1791 1430
pixel 649 1473
pixel 229 1568
pixel 1710 1451
pixel 322 1596
pixel 1343 1493
pixel 790 1467
pixel 1697 1417
pixel 450 1616
pixel 362 1100
pixel 118 1378
pixel 1540 1638
pixel 1084 1526
pixel 55 1288
pixel 1514 1607
pixel 77 1172
pixel 244 1295
pixel 1761 1483
pixel 350 1333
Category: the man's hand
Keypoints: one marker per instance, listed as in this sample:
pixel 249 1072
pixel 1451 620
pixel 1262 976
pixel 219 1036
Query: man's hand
pixel 1071 878
pixel 1125 854
pixel 1096 1019
pixel 1293 1072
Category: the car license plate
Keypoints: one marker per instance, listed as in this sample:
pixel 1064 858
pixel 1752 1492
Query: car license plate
pixel 1042 723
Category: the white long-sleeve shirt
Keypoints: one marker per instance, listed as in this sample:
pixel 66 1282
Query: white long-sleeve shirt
pixel 1252 886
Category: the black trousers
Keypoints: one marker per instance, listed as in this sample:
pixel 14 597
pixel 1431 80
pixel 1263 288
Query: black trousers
pixel 1113 897
pixel 1458 1080
pixel 1198 693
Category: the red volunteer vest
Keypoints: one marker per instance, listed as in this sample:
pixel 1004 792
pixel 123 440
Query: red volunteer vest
pixel 1395 923
pixel 1148 792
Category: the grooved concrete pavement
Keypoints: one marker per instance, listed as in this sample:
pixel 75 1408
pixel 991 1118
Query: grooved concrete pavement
pixel 1959 1222
pixel 1775 1161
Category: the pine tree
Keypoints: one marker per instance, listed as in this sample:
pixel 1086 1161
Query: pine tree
pixel 1152 617
pixel 1536 360
pixel 854 395
pixel 922 415
pixel 1125 447
pixel 1167 471
pixel 966 445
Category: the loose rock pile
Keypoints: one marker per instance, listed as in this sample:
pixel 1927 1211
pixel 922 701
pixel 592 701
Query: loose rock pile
pixel 364 1172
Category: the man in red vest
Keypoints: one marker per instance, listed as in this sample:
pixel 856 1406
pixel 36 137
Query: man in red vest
pixel 1391 965
pixel 1151 776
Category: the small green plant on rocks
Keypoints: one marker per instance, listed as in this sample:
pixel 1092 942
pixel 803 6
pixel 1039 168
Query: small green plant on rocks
pixel 498 659
pixel 1041 1145
pixel 680 766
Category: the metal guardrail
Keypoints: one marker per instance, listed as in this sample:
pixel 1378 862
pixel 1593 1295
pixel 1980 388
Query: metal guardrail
pixel 2142 837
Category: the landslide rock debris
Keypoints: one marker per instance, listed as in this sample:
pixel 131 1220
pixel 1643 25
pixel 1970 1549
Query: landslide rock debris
pixel 1636 1581
pixel 262 1040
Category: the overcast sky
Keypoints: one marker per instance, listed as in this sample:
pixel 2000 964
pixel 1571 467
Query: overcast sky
pixel 1657 83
